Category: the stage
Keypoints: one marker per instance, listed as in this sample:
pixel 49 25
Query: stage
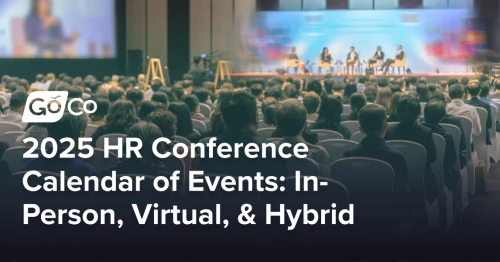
pixel 431 78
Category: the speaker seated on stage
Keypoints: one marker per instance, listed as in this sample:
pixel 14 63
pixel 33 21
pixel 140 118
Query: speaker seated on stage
pixel 352 60
pixel 292 61
pixel 325 60
pixel 400 58
pixel 377 59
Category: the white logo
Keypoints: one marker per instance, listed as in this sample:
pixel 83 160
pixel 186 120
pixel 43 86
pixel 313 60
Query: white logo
pixel 49 107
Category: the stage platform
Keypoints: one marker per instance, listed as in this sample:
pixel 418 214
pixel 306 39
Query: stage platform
pixel 431 78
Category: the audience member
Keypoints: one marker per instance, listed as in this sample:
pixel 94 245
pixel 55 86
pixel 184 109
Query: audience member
pixel 423 93
pixel 273 92
pixel 483 95
pixel 329 114
pixel 115 94
pixel 69 126
pixel 290 122
pixel 120 118
pixel 350 89
pixel 384 96
pixel 39 84
pixel 370 94
pixel 311 102
pixel 184 123
pixel 315 86
pixel 361 83
pixel 102 110
pixel 156 84
pixel 148 107
pixel 187 86
pixel 393 107
pixel 474 90
pixel 37 131
pixel 457 107
pixel 358 101
pixel 161 98
pixel 496 95
pixel 15 114
pixel 135 96
pixel 338 89
pixel 382 83
pixel 203 96
pixel 217 125
pixel 194 107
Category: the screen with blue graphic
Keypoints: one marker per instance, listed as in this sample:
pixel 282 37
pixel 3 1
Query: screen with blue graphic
pixel 57 29
pixel 433 39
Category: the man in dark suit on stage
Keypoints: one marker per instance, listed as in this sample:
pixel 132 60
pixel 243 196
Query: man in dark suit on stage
pixel 399 56
pixel 379 55
pixel 352 58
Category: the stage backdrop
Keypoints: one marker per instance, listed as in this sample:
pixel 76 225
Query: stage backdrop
pixel 72 29
pixel 442 39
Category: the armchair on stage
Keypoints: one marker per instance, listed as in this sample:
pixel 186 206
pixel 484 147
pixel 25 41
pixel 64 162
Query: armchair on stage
pixel 399 64
pixel 327 66
pixel 296 64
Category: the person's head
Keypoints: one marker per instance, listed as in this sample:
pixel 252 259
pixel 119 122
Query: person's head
pixel 160 97
pixel 434 111
pixel 202 94
pixel 132 80
pixel 443 84
pixel 257 91
pixel 474 89
pixel 372 79
pixel 178 92
pixel 393 106
pixel 437 96
pixel 125 84
pixel 330 109
pixel 423 92
pixel 242 83
pixel 382 82
pixel 273 92
pixel 187 85
pixel 135 96
pixel 75 92
pixel 41 8
pixel 187 77
pixel 148 133
pixel 396 87
pixel 432 87
pixel 400 47
pixel 311 102
pixel 156 84
pixel 115 94
pixel 193 103
pixel 18 101
pixel 239 111
pixel 362 79
pixel 485 89
pixel 497 85
pixel 413 81
pixel 267 102
pixel 328 86
pixel 291 91
pixel 68 126
pixel 370 93
pixel 101 110
pixel 384 97
pixel 198 60
pixel 379 48
pixel 464 81
pixel 148 107
pixel 372 120
pixel 350 89
pixel 409 109
pixel 141 78
pixel 122 115
pixel 24 83
pixel 352 48
pixel 290 117
pixel 165 120
pixel 456 92
pixel 40 78
pixel 5 78
pixel 184 124
pixel 325 50
pixel 339 88
pixel 357 101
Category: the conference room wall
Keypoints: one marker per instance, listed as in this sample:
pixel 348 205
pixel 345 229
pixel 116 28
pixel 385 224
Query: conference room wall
pixel 147 28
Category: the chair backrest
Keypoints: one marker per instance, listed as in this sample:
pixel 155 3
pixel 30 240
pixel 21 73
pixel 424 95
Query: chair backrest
pixel 266 132
pixel 183 140
pixel 457 134
pixel 370 181
pixel 415 157
pixel 392 124
pixel 437 166
pixel 173 164
pixel 10 137
pixel 112 138
pixel 467 127
pixel 100 163
pixel 205 110
pixel 494 112
pixel 401 62
pixel 14 157
pixel 358 137
pixel 90 130
pixel 199 125
pixel 347 110
pixel 262 124
pixel 337 147
pixel 306 166
pixel 353 126
pixel 261 117
pixel 9 127
pixel 480 145
pixel 326 134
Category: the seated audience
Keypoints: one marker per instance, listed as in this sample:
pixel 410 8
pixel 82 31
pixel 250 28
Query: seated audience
pixel 361 83
pixel 291 122
pixel 315 86
pixel 184 123
pixel 97 118
pixel 160 97
pixel 203 96
pixel 15 114
pixel 148 163
pixel 408 129
pixel 311 102
pixel 69 126
pixel 115 94
pixel 269 116
pixel 474 90
pixel 496 95
pixel 194 107
pixel 120 118
pixel 485 92
pixel 273 92
pixel 35 130
pixel 457 107
pixel 384 98
pixel 372 120
pixel 135 96
pixel 156 84
pixel 39 84
pixel 148 107
pixel 339 89
pixel 350 89
pixel 239 111
pixel 330 111
pixel 358 101
pixel 370 94
pixel 217 126
pixel 187 86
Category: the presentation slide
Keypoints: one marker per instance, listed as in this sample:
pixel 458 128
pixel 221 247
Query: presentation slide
pixel 57 29
pixel 433 39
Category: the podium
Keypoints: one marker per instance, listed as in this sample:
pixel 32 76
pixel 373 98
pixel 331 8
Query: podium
pixel 222 71
pixel 155 70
